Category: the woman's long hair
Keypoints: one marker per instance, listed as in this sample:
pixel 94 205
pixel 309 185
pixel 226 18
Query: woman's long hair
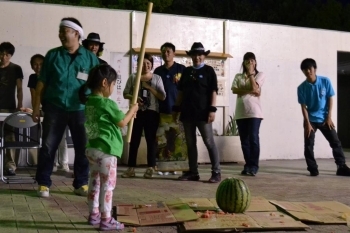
pixel 248 56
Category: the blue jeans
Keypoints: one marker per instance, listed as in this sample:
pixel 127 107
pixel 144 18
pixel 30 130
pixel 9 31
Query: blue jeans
pixel 334 142
pixel 54 126
pixel 248 129
pixel 206 130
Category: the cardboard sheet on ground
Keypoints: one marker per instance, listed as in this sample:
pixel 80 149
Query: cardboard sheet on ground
pixel 261 215
pixel 154 214
pixel 200 204
pixel 276 220
pixel 257 204
pixel 222 222
pixel 245 222
pixel 327 212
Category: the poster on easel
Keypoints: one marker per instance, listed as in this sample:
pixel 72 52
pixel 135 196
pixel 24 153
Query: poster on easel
pixel 172 150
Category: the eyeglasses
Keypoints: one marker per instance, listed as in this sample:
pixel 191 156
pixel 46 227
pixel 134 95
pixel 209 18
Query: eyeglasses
pixel 3 54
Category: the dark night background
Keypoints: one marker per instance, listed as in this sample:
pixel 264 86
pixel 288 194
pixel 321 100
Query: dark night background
pixel 326 14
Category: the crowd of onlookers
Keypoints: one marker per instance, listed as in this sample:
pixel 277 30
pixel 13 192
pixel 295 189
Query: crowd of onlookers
pixel 72 86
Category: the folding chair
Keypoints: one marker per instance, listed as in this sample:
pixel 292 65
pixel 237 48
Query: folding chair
pixel 22 124
pixel 69 141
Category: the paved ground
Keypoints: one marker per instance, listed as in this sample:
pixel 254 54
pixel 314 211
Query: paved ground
pixel 22 211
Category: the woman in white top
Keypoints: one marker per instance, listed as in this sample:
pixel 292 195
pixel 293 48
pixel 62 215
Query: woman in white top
pixel 147 119
pixel 248 115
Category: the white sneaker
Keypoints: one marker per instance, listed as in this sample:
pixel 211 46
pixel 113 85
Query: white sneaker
pixel 54 169
pixel 65 167
pixel 43 191
pixel 167 173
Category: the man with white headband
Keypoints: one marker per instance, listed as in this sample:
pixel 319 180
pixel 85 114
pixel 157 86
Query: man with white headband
pixel 64 70
pixel 73 25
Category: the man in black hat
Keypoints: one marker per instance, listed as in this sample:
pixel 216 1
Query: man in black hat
pixel 196 101
pixel 94 44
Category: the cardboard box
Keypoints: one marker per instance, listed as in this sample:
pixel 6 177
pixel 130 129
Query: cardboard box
pixel 327 212
pixel 261 215
pixel 158 213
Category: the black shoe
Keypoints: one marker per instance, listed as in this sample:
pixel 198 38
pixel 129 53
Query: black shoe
pixel 10 172
pixel 314 173
pixel 189 176
pixel 215 177
pixel 251 173
pixel 343 170
pixel 244 172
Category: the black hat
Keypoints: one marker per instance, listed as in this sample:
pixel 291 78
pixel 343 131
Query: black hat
pixel 197 48
pixel 95 37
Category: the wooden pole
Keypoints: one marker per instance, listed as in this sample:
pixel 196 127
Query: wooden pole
pixel 139 67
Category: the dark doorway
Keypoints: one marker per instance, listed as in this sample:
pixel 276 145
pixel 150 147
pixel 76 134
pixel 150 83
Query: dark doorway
pixel 344 98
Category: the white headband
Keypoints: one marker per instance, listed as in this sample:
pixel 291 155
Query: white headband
pixel 70 24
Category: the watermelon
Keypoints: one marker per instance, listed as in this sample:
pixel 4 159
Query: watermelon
pixel 233 195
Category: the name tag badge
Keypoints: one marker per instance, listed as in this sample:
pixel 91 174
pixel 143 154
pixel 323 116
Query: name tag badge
pixel 82 76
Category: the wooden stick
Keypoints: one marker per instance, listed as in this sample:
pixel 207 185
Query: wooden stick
pixel 139 67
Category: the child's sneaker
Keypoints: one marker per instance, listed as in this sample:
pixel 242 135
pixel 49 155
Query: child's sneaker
pixel 94 219
pixel 43 191
pixel 111 225
pixel 82 191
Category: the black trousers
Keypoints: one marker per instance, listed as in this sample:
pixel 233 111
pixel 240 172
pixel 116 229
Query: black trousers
pixel 334 142
pixel 147 121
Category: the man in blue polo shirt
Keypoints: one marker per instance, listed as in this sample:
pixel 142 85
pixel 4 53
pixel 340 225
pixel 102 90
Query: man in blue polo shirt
pixel 171 73
pixel 315 95
pixel 64 71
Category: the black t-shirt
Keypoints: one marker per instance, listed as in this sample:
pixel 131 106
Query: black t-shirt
pixel 33 79
pixel 197 86
pixel 8 84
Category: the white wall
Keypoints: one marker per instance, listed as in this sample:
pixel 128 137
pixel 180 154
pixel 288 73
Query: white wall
pixel 33 28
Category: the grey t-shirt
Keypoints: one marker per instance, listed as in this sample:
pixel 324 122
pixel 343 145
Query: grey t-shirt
pixel 156 82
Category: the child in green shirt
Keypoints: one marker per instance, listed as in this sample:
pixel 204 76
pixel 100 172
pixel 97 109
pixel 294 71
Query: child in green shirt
pixel 105 143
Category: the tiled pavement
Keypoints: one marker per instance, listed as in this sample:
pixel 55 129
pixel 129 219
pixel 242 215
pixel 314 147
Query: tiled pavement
pixel 285 180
